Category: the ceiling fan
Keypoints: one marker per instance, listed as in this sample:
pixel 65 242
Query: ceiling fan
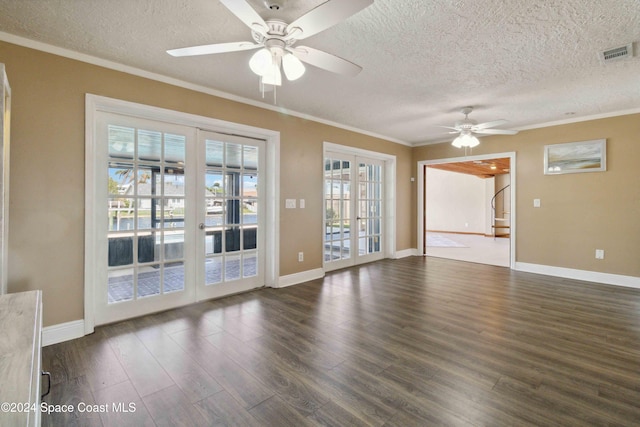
pixel 467 128
pixel 276 40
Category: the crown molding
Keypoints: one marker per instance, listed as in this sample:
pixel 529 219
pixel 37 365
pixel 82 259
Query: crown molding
pixel 112 65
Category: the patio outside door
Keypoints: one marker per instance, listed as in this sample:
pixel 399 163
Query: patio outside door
pixel 354 211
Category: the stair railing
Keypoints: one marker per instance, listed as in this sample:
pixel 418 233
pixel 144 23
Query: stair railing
pixel 493 208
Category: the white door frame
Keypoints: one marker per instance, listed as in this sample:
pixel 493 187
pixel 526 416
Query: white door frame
pixel 421 191
pixel 95 104
pixel 389 222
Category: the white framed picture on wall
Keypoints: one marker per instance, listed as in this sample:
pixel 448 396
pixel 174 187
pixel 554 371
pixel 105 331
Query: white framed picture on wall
pixel 576 157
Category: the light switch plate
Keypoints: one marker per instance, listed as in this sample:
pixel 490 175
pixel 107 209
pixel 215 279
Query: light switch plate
pixel 290 203
pixel 536 203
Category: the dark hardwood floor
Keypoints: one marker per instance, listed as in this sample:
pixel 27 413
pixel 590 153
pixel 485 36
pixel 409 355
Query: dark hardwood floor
pixel 410 342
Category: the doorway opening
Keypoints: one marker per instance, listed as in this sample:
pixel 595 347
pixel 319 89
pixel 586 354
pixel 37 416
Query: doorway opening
pixel 467 209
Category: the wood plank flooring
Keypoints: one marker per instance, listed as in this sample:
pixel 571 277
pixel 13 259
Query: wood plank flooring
pixel 410 342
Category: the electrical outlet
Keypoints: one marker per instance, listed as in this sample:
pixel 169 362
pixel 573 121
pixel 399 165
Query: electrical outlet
pixel 300 256
pixel 599 253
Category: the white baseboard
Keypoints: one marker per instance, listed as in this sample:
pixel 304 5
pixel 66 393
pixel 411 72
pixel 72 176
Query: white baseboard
pixel 587 276
pixel 55 334
pixel 406 253
pixel 296 278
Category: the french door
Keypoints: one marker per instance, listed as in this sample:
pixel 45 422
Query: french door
pixel 183 216
pixel 230 216
pixel 353 210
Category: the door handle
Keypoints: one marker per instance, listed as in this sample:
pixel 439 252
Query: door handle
pixel 201 226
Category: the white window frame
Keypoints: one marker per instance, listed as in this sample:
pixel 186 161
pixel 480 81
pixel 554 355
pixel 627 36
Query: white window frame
pixel 95 104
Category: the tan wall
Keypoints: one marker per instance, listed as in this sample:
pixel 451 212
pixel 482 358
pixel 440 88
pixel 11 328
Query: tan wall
pixel 47 170
pixel 579 212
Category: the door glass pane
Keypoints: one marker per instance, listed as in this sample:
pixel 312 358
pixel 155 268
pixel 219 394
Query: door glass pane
pixel 143 210
pixel 148 244
pixel 232 268
pixel 249 185
pixel 346 250
pixel 120 285
pixel 213 270
pixel 173 182
pixel 146 180
pixel 120 178
pixel 149 145
pixel 250 158
pixel 214 154
pixel 233 158
pixel 232 239
pixel 120 250
pixel 250 265
pixel 148 279
pixel 121 213
pixel 174 149
pixel 121 142
pixel 213 242
pixel 173 245
pixel 173 277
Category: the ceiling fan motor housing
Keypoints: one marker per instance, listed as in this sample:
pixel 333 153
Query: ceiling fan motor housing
pixel 275 34
pixel 466 124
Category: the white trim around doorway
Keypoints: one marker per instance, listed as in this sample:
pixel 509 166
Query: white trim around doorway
pixel 512 173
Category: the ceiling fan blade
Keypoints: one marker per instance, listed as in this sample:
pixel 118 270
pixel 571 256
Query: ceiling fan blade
pixel 495 132
pixel 449 127
pixel 208 49
pixel 326 61
pixel 324 16
pixel 490 124
pixel 246 14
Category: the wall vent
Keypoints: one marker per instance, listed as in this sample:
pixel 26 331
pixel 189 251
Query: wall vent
pixel 617 53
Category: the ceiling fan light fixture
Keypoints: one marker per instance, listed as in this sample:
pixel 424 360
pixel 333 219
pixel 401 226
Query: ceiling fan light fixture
pixel 261 62
pixel 465 140
pixel 292 66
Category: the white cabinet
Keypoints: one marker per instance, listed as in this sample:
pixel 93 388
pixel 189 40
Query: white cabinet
pixel 20 358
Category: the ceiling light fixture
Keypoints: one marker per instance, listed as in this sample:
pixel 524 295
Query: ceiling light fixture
pixel 267 61
pixel 465 140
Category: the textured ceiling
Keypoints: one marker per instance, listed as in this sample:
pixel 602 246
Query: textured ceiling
pixel 529 62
